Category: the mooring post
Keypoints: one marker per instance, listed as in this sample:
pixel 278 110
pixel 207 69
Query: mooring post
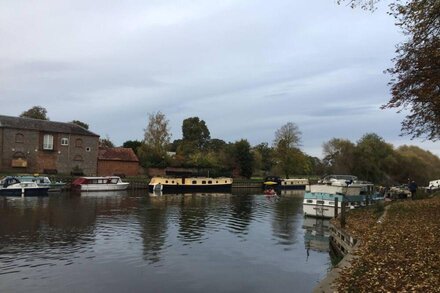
pixel 343 214
pixel 336 207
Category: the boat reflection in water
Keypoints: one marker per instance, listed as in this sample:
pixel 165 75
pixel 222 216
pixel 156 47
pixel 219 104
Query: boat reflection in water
pixel 317 233
pixel 157 193
pixel 292 192
pixel 109 193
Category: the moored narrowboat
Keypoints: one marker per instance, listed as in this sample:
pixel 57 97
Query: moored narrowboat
pixel 188 184
pixel 285 183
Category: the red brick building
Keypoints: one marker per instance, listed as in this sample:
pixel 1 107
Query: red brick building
pixel 117 161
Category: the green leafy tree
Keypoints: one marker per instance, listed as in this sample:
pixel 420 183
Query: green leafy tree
pixel 266 156
pixel 132 144
pixel 36 112
pixel 80 123
pixel 195 133
pixel 339 156
pixel 372 158
pixel 243 158
pixel 153 151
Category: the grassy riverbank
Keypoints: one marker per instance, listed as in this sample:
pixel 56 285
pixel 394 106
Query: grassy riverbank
pixel 400 254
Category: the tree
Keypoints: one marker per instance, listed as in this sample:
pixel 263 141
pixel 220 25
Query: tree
pixel 286 145
pixel 153 151
pixel 106 143
pixel 243 158
pixel 265 153
pixel 339 156
pixel 132 144
pixel 288 135
pixel 373 158
pixel 415 83
pixel 36 112
pixel 195 132
pixel 416 73
pixel 80 123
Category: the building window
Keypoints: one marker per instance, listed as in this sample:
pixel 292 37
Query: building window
pixel 48 142
pixel 19 138
pixel 78 158
pixel 88 149
pixel 78 143
pixel 64 141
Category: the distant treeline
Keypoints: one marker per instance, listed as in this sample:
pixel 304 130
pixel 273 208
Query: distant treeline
pixel 370 158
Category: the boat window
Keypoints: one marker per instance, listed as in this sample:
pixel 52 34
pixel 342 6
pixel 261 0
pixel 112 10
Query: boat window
pixel 203 182
pixel 48 142
pixel 172 181
pixel 194 182
pixel 64 141
pixel 19 138
pixel 320 202
pixel 166 181
pixel 216 181
pixel 331 202
pixel 209 182
pixel 309 201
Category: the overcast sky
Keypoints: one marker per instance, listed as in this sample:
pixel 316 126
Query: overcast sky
pixel 245 67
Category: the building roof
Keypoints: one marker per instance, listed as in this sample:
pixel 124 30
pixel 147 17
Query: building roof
pixel 117 154
pixel 43 125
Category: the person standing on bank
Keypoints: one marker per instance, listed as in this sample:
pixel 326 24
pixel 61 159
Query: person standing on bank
pixel 413 189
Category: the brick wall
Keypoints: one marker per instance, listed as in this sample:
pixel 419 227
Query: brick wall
pixel 61 158
pixel 108 167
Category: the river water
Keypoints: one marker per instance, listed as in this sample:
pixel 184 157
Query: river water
pixel 136 242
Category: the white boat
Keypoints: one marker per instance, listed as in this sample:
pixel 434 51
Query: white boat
pixel 106 183
pixel 320 200
pixel 285 183
pixel 12 186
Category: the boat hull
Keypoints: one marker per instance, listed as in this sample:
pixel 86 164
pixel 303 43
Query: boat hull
pixel 319 211
pixel 103 187
pixel 192 188
pixel 40 191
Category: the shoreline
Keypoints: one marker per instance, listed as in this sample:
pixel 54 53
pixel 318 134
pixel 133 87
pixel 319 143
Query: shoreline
pixel 397 250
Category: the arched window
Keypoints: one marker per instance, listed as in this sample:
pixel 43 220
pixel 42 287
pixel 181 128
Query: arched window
pixel 78 158
pixel 19 155
pixel 19 138
pixel 79 143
